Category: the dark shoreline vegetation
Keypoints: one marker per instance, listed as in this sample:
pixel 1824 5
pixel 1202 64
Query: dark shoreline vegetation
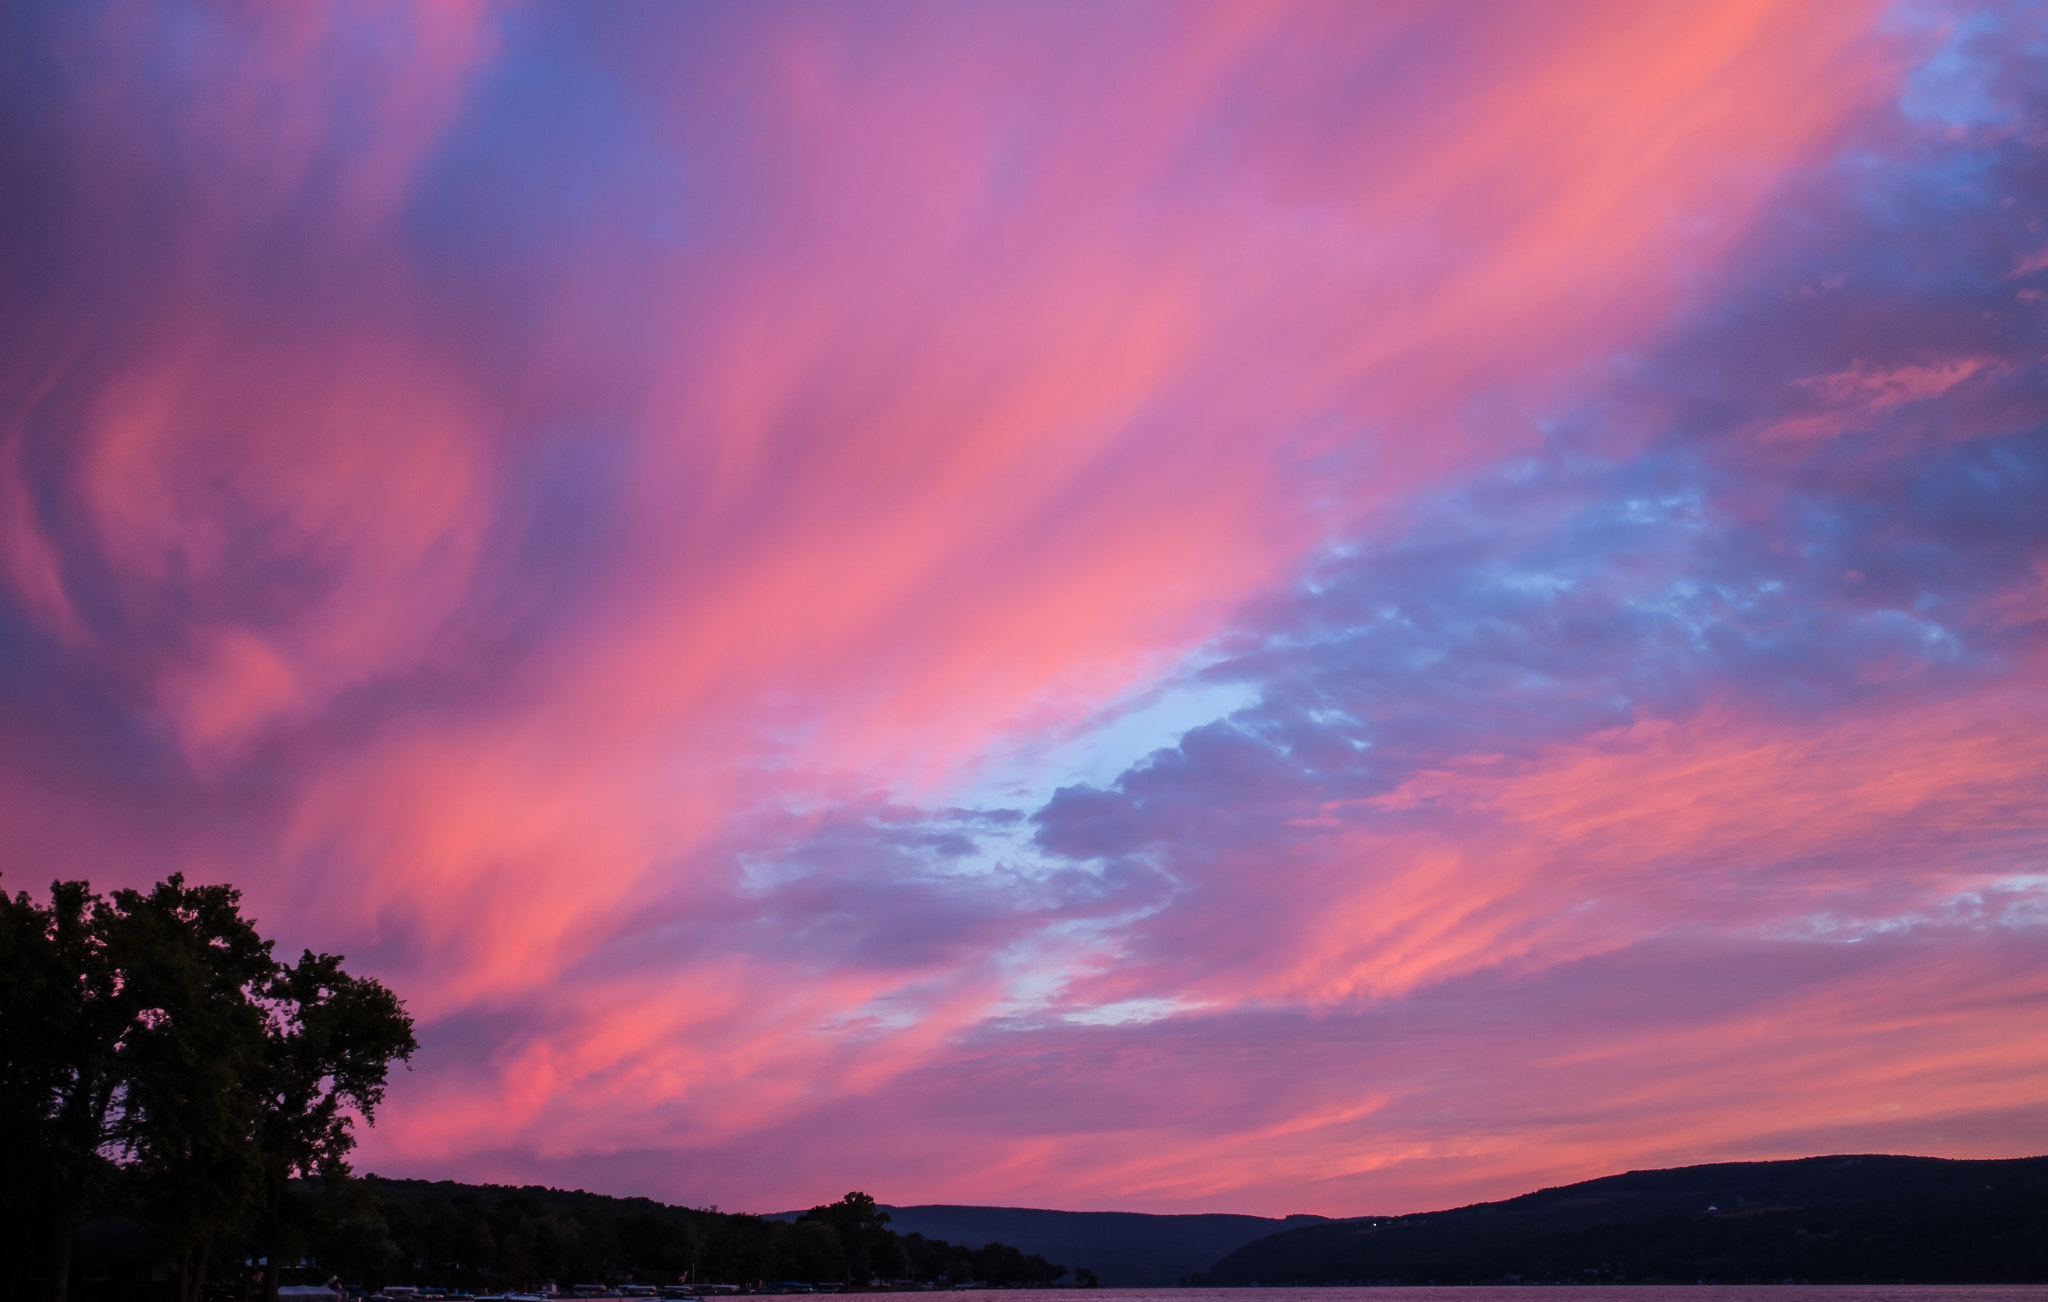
pixel 479 1237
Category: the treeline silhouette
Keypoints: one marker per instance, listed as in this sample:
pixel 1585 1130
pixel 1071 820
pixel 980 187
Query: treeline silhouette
pixel 478 1238
pixel 158 1063
pixel 167 1083
pixel 1845 1219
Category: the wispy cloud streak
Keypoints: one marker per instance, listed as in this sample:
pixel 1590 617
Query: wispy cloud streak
pixel 625 519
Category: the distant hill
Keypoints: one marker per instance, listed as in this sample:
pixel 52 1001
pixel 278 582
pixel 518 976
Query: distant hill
pixel 1823 1219
pixel 1124 1249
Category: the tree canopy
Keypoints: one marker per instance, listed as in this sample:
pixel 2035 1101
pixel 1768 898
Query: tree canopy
pixel 489 1237
pixel 158 1061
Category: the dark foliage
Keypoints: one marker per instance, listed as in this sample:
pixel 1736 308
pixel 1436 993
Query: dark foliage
pixel 1819 1219
pixel 63 1014
pixel 159 1066
pixel 488 1237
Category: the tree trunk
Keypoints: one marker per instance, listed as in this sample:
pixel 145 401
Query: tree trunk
pixel 271 1265
pixel 60 1261
pixel 192 1275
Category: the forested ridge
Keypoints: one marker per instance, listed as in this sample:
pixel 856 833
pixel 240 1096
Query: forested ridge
pixel 1843 1219
pixel 475 1237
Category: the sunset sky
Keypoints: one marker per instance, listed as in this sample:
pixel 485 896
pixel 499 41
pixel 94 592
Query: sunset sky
pixel 1166 606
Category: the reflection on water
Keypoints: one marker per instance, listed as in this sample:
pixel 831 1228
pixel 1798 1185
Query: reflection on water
pixel 1568 1293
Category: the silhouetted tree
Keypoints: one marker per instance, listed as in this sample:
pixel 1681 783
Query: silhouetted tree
pixel 860 1225
pixel 194 967
pixel 331 1039
pixel 64 1013
pixel 150 1044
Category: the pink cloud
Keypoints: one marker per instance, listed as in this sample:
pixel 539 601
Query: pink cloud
pixel 564 507
pixel 1852 398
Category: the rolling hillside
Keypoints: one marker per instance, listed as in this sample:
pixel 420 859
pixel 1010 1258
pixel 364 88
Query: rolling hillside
pixel 1124 1249
pixel 1836 1219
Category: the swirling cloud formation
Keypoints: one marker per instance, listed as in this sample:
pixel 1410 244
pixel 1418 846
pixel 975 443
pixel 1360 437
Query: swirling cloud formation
pixel 1184 606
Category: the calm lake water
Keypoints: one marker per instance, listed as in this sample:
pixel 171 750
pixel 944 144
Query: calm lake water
pixel 1568 1293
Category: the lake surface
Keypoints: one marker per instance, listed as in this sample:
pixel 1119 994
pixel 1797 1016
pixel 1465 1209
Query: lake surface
pixel 1565 1293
